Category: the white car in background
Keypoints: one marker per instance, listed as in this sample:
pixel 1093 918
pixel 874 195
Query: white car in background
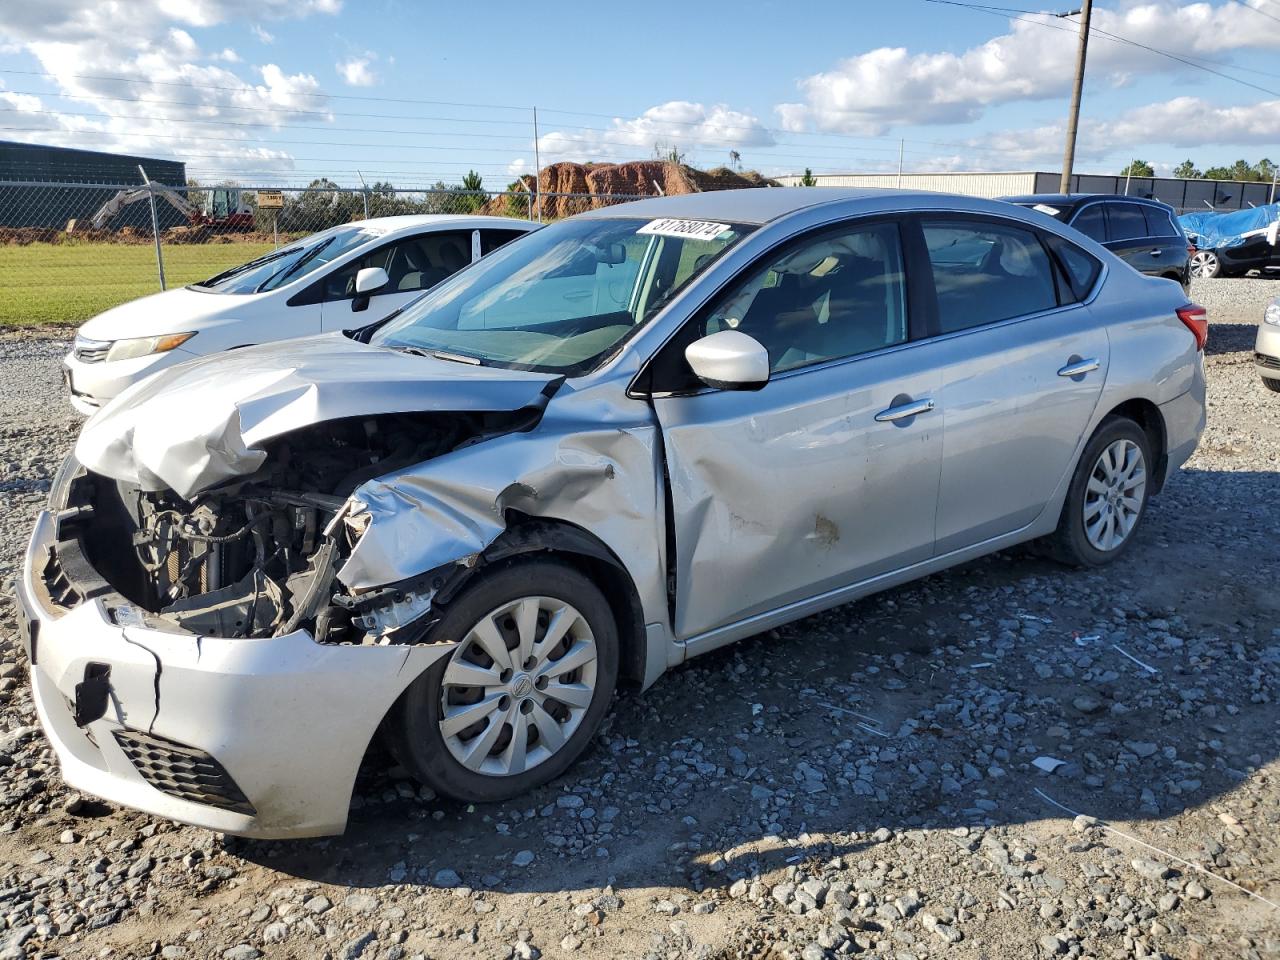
pixel 344 277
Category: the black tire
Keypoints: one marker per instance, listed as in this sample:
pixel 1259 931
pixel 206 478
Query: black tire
pixel 1069 544
pixel 412 727
pixel 1272 385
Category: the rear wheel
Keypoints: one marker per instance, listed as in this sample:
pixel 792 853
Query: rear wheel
pixel 521 695
pixel 1205 265
pixel 1272 385
pixel 1107 497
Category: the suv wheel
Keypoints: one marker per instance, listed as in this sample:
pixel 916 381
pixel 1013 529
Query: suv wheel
pixel 521 694
pixel 1107 497
pixel 1205 265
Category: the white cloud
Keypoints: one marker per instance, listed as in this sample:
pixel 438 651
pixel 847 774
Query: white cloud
pixel 263 35
pixel 871 92
pixel 677 123
pixel 356 71
pixel 518 167
pixel 148 46
pixel 1183 122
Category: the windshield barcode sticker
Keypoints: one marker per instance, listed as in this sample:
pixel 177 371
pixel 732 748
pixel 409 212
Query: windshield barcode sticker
pixel 1045 208
pixel 690 229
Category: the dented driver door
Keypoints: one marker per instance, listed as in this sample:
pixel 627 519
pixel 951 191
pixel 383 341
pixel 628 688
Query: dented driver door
pixel 796 489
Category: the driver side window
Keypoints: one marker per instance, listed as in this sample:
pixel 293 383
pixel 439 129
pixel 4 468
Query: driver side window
pixel 837 296
pixel 412 264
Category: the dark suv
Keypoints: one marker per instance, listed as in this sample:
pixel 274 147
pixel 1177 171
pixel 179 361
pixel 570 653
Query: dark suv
pixel 1143 233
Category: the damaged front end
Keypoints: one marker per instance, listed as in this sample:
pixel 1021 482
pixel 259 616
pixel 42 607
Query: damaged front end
pixel 256 556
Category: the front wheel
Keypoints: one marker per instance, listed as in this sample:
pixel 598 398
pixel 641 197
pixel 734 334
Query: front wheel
pixel 1205 265
pixel 1272 385
pixel 1107 497
pixel 522 693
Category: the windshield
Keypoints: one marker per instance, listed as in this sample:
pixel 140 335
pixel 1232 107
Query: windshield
pixel 288 264
pixel 563 298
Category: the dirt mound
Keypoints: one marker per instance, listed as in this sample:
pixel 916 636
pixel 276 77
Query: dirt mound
pixel 604 183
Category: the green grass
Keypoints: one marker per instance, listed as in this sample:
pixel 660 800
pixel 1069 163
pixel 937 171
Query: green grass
pixel 66 284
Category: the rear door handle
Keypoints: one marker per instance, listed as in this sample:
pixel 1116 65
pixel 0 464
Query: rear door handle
pixel 1156 252
pixel 1079 368
pixel 912 408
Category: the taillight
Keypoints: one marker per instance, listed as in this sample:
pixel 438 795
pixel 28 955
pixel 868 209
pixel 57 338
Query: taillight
pixel 1191 249
pixel 1196 320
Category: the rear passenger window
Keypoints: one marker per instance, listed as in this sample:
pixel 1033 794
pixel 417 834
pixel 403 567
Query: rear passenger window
pixel 491 240
pixel 1092 222
pixel 1127 222
pixel 1081 269
pixel 986 272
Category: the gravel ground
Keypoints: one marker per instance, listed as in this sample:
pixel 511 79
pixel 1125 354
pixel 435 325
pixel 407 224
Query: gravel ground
pixel 860 782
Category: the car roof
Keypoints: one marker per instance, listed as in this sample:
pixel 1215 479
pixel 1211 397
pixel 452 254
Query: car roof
pixel 1076 199
pixel 441 221
pixel 751 205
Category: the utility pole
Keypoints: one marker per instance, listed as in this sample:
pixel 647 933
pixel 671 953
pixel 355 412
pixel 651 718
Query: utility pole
pixel 155 224
pixel 902 146
pixel 1073 120
pixel 537 169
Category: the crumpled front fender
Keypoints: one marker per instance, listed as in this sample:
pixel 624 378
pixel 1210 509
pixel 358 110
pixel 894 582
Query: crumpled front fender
pixel 593 460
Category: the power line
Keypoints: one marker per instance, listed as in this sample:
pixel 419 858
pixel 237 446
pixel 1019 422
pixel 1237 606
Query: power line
pixel 1196 63
pixel 1261 13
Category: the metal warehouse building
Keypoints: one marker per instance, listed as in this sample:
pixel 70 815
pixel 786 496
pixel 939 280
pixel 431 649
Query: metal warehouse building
pixel 1185 196
pixel 40 185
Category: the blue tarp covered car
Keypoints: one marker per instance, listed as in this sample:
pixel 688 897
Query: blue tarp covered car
pixel 1230 244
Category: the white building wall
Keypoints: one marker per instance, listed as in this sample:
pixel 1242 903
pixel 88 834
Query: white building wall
pixel 967 184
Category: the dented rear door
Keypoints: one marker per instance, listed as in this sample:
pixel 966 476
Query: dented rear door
pixel 795 489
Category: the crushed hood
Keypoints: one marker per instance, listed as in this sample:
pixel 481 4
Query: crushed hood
pixel 197 424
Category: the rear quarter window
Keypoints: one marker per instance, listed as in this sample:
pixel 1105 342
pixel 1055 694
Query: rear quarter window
pixel 1160 223
pixel 1081 269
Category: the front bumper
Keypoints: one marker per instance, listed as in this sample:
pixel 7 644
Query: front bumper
pixel 285 719
pixel 93 384
pixel 1267 351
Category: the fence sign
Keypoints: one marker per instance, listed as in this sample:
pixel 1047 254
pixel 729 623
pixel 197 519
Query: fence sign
pixel 270 199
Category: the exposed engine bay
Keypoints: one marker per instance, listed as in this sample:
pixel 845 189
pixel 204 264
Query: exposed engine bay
pixel 256 556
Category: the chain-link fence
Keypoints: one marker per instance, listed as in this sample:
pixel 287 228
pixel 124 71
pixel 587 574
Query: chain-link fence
pixel 71 250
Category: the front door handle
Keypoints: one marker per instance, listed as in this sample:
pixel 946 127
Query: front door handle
pixel 912 408
pixel 1078 368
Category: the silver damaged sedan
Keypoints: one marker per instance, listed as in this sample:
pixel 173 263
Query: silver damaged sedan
pixel 624 440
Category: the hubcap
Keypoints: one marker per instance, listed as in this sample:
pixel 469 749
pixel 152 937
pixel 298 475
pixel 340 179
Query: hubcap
pixel 1203 264
pixel 517 686
pixel 1113 495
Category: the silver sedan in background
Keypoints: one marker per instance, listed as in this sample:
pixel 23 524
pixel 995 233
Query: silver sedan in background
pixel 619 442
pixel 1266 349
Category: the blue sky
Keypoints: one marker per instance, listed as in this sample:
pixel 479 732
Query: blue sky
pixel 273 91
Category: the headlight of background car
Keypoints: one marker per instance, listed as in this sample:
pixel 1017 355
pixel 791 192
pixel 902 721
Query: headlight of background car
pixel 145 346
pixel 1273 313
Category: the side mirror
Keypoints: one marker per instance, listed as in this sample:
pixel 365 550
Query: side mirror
pixel 370 279
pixel 729 360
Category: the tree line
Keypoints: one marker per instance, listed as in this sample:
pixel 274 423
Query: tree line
pixel 1264 171
pixel 323 203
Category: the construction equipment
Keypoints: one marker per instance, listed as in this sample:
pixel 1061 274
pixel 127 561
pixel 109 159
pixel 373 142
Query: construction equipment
pixel 223 207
